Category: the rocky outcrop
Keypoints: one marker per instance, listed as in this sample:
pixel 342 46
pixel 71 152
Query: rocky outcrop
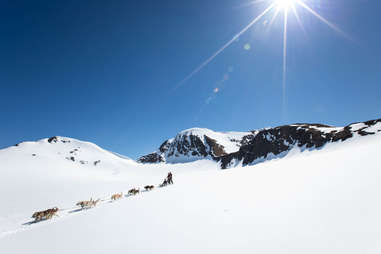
pixel 195 144
pixel 252 147
pixel 280 140
pixel 216 150
pixel 151 158
pixel 56 139
pixel 52 140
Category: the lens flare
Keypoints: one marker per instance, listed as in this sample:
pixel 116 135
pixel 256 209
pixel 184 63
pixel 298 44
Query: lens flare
pixel 277 6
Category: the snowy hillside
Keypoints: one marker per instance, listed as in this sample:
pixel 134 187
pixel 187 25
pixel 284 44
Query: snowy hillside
pixel 43 169
pixel 84 153
pixel 319 201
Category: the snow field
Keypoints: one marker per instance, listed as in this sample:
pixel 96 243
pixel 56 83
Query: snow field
pixel 324 201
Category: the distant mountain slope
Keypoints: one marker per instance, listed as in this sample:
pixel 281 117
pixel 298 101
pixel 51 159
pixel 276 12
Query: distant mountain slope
pixel 69 149
pixel 277 142
pixel 232 148
pixel 197 143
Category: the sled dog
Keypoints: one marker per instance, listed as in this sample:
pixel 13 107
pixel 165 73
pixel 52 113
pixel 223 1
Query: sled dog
pixel 117 196
pixel 45 215
pixel 88 203
pixel 133 191
pixel 149 187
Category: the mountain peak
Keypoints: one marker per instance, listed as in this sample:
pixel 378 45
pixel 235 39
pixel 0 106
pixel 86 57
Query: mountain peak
pixel 194 144
pixel 68 149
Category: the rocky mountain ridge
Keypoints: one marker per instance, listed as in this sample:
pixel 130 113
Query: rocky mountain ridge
pixel 230 149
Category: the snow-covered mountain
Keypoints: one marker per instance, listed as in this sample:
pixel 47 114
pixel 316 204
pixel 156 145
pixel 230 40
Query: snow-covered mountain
pixel 194 144
pixel 68 149
pixel 248 148
pixel 229 149
pixel 277 142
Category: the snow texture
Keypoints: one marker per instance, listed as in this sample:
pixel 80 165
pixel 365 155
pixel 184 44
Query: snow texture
pixel 321 201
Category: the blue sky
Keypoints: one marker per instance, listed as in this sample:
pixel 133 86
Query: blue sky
pixel 108 71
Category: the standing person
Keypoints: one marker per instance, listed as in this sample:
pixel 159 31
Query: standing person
pixel 169 177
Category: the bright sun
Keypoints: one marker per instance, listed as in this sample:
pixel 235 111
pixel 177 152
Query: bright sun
pixel 285 4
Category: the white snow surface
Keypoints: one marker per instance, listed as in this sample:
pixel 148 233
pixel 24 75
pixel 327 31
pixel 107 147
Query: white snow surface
pixel 229 140
pixel 375 128
pixel 322 201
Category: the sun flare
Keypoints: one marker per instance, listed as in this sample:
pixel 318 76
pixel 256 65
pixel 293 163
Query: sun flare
pixel 285 4
pixel 276 8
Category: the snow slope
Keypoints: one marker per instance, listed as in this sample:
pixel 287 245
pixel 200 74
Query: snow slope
pixel 322 201
pixel 36 173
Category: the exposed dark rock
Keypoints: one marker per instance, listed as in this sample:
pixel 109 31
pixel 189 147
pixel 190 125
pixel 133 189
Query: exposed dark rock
pixel 364 133
pixel 275 141
pixel 165 146
pixel 216 149
pixel 53 140
pixel 372 122
pixel 343 135
pixel 97 162
pixel 151 158
pixel 282 139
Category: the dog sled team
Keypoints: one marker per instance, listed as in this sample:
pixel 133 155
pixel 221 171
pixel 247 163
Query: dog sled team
pixel 49 213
